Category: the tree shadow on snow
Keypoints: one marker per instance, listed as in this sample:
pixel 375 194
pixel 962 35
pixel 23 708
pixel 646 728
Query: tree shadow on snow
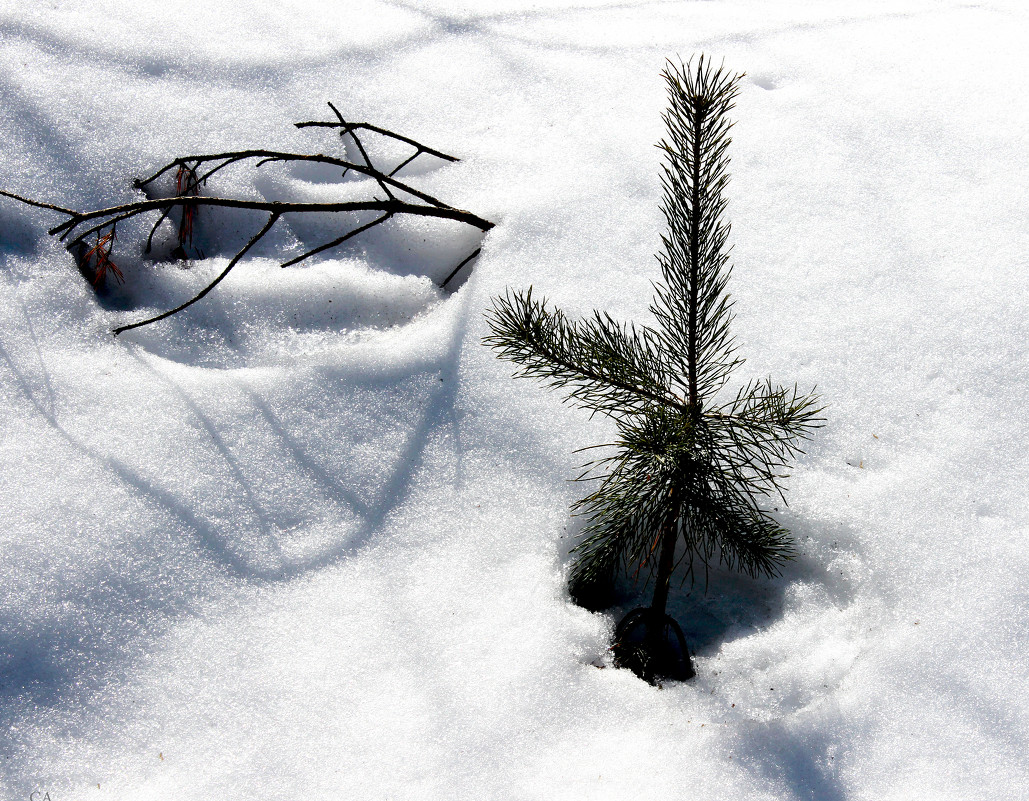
pixel 800 765
pixel 798 756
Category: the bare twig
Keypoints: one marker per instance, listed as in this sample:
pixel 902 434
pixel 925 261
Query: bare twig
pixel 337 242
pixel 364 153
pixel 267 156
pixel 353 126
pixel 37 204
pixel 457 269
pixel 189 177
pixel 235 260
pixel 153 229
pixel 118 213
pixel 405 162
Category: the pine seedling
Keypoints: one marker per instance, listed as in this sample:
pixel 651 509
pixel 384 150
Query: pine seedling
pixel 687 480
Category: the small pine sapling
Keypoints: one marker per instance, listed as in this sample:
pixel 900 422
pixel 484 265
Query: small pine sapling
pixel 683 483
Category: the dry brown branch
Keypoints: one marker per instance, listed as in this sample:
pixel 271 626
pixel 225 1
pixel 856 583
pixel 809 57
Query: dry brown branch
pixel 191 172
pixel 349 127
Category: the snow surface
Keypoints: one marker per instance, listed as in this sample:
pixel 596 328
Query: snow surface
pixel 273 548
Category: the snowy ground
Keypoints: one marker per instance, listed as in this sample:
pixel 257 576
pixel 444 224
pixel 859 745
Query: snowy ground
pixel 276 548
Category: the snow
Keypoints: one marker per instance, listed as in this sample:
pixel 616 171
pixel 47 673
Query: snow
pixel 277 547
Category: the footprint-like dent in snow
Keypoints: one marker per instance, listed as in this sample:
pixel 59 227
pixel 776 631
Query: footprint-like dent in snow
pixel 770 648
pixel 262 314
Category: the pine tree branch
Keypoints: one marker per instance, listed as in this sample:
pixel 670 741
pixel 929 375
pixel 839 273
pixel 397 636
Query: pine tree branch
pixel 609 368
pixel 691 303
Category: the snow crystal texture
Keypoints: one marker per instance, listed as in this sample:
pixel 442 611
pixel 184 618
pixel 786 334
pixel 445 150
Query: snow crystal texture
pixel 308 539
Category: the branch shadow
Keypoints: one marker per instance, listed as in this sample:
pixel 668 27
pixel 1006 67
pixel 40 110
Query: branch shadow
pixel 224 70
pixel 18 234
pixel 485 24
pixel 437 413
pixel 52 659
pixel 123 472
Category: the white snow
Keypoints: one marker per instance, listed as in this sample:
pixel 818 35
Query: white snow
pixel 308 539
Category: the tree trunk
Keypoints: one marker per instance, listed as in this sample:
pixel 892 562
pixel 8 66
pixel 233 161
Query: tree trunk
pixel 666 561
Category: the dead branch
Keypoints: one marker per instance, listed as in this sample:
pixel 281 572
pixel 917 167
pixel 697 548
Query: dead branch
pixel 36 203
pixel 191 172
pixel 350 127
pixel 116 214
pixel 270 156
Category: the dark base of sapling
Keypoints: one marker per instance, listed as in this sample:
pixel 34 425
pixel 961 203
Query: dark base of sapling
pixel 659 654
pixel 651 644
